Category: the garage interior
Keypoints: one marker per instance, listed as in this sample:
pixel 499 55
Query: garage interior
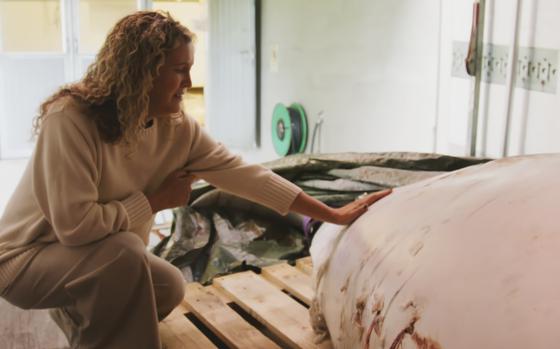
pixel 341 97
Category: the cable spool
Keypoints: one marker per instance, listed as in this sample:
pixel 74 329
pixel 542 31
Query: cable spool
pixel 289 129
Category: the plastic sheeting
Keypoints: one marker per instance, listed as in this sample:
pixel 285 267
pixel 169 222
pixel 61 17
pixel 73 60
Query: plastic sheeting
pixel 219 233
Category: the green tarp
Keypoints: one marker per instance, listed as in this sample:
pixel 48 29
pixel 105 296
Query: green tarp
pixel 218 233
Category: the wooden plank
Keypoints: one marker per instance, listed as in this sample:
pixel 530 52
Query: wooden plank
pixel 177 332
pixel 305 265
pixel 290 279
pixel 282 315
pixel 220 294
pixel 229 326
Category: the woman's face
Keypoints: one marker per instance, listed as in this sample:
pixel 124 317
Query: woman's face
pixel 173 80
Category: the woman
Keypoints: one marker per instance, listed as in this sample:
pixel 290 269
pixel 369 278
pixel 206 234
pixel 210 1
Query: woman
pixel 112 150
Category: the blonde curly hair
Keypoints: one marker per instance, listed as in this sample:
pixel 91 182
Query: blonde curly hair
pixel 117 85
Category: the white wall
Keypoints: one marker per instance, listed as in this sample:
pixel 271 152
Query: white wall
pixel 535 112
pixel 534 115
pixel 381 71
pixel 371 66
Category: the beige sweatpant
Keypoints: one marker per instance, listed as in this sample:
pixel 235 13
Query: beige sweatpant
pixel 113 291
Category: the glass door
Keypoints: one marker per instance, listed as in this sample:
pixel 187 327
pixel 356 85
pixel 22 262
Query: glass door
pixel 33 63
pixel 43 45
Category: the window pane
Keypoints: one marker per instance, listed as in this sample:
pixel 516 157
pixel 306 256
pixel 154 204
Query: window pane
pixel 194 15
pixel 24 84
pixel 97 18
pixel 32 25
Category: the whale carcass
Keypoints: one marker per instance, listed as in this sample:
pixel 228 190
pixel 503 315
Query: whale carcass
pixel 467 259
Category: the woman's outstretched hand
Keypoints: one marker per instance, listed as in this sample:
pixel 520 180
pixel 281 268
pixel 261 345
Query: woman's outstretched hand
pixel 307 205
pixel 174 191
pixel 350 212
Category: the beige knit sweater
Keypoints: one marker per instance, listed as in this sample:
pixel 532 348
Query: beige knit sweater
pixel 78 189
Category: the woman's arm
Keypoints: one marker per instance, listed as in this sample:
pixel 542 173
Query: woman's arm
pixel 307 205
pixel 212 162
pixel 65 177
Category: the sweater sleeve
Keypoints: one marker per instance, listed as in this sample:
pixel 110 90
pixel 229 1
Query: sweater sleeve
pixel 65 177
pixel 212 162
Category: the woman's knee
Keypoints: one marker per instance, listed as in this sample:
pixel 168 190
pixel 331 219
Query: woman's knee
pixel 128 242
pixel 126 252
pixel 115 261
pixel 176 286
pixel 169 288
pixel 126 239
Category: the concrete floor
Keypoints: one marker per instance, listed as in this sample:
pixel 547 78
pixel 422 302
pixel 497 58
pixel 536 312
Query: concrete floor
pixel 30 329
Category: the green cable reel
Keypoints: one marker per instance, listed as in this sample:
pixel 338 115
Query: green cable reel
pixel 289 129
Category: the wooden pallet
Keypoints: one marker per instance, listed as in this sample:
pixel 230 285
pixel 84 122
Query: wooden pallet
pixel 246 310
